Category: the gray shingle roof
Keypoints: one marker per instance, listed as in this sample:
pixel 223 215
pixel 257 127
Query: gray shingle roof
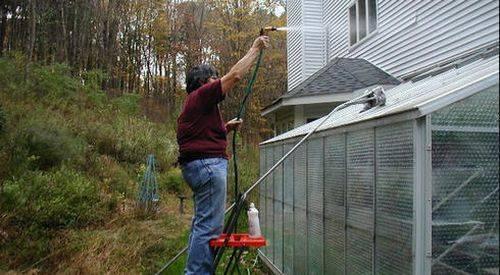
pixel 342 75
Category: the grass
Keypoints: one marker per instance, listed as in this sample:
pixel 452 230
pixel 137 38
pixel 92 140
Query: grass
pixel 126 244
pixel 130 245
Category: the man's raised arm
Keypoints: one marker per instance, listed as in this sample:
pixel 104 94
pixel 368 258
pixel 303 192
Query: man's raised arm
pixel 237 72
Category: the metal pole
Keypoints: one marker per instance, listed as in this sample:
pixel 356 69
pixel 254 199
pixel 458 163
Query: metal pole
pixel 172 260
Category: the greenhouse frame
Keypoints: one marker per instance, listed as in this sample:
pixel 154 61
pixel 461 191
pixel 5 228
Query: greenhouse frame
pixel 406 188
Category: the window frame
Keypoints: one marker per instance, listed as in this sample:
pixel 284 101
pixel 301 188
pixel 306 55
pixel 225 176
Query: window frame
pixel 369 33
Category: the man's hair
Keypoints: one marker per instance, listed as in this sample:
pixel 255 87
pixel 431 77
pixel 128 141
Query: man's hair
pixel 198 76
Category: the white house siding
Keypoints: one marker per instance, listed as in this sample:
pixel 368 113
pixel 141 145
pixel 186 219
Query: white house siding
pixel 410 35
pixel 294 41
pixel 306 40
pixel 417 34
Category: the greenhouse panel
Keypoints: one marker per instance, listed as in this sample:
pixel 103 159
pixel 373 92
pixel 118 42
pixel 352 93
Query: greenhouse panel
pixel 288 225
pixel 394 199
pixel 360 201
pixel 335 206
pixel 315 206
pixel 300 218
pixel 278 208
pixel 262 196
pixel 269 233
pixel 465 185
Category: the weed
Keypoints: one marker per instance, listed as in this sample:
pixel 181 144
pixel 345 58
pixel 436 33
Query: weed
pixel 61 198
pixel 2 120
pixel 46 144
pixel 172 181
pixel 93 79
pixel 127 103
pixel 53 82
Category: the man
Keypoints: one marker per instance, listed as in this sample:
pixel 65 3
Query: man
pixel 201 135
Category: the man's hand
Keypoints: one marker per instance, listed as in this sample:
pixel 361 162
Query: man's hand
pixel 233 124
pixel 261 43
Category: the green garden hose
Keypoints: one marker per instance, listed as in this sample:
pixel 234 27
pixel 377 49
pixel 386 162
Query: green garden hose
pixel 240 114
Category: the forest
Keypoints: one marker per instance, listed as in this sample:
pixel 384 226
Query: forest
pixel 90 88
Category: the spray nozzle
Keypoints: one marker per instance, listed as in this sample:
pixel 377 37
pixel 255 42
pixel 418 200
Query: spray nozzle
pixel 265 30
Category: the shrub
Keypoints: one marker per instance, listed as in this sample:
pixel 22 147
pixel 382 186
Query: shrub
pixel 10 73
pixel 127 103
pixel 172 181
pixel 47 144
pixel 2 120
pixel 93 79
pixel 130 139
pixel 54 81
pixel 7 72
pixel 96 98
pixel 61 198
pixel 114 178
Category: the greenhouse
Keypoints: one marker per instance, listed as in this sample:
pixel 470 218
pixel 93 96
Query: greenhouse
pixel 406 188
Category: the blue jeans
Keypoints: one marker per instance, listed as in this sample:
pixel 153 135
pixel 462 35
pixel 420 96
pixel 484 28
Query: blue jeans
pixel 207 178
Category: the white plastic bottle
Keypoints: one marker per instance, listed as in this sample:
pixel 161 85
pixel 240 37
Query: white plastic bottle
pixel 253 222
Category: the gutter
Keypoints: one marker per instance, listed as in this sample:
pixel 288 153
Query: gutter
pixel 317 99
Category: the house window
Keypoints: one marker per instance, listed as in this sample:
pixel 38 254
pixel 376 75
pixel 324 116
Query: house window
pixel 362 20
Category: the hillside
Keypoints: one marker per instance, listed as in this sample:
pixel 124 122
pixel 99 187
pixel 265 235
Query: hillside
pixel 72 158
pixel 71 162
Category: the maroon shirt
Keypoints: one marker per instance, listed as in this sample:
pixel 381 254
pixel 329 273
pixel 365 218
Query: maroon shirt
pixel 201 132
